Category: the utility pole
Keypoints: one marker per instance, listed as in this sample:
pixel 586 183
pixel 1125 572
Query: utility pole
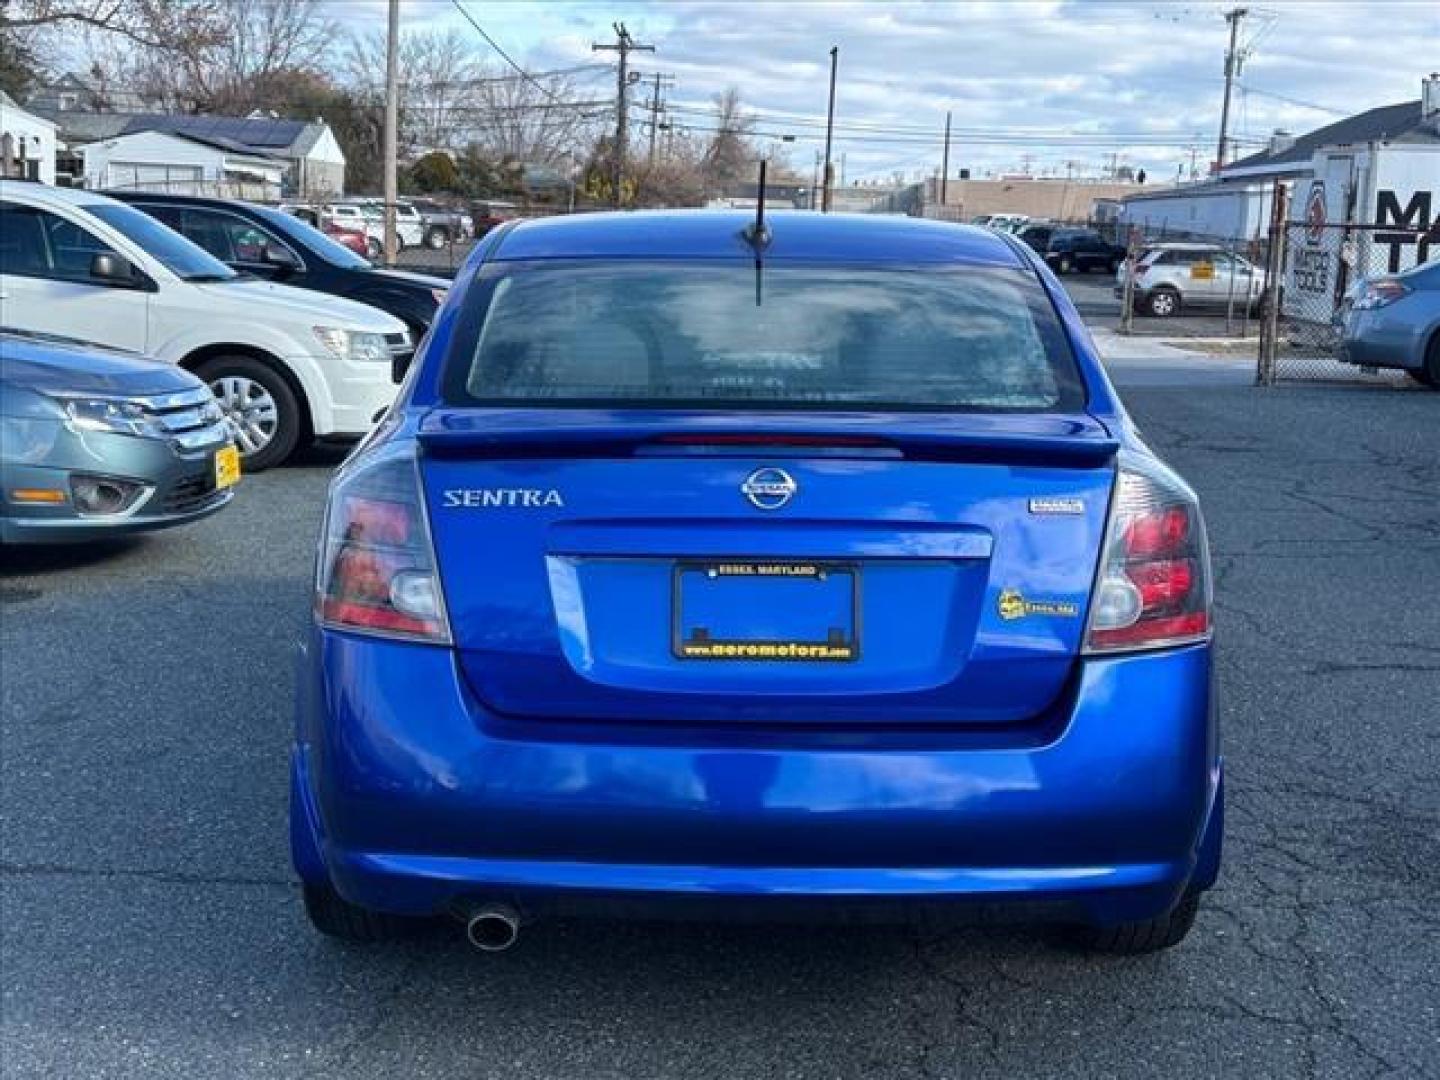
pixel 815 185
pixel 392 128
pixel 654 118
pixel 945 160
pixel 1232 69
pixel 655 107
pixel 624 45
pixel 830 131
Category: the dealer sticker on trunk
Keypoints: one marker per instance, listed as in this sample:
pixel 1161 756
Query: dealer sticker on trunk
pixel 1013 605
pixel 1055 505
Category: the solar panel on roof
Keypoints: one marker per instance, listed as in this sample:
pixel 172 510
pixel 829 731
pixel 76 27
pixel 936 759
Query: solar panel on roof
pixel 271 134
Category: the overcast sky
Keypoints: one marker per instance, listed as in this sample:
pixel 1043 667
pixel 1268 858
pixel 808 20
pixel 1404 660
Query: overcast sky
pixel 1038 79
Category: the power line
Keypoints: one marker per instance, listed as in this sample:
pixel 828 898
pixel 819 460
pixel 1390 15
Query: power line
pixel 503 54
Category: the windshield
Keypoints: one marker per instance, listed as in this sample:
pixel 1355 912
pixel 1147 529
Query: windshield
pixel 819 336
pixel 333 252
pixel 178 255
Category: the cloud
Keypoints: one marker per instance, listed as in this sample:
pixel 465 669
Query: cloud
pixel 1067 70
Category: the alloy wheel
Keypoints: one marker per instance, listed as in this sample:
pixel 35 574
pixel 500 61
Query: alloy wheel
pixel 251 410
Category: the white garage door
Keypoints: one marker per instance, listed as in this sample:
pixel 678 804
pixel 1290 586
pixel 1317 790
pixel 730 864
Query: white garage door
pixel 145 176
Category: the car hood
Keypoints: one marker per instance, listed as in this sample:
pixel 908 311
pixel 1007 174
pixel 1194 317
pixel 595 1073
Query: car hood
pixel 56 366
pixel 318 309
pixel 404 277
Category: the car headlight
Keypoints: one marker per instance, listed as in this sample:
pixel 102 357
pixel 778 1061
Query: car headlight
pixel 111 415
pixel 357 346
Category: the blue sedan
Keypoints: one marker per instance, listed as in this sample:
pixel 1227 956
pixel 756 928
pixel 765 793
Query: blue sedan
pixel 1394 322
pixel 714 566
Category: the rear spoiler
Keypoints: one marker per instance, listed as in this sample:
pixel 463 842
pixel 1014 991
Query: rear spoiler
pixel 1070 440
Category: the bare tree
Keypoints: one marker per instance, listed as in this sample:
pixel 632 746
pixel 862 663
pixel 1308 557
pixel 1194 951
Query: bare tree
pixel 247 57
pixel 540 120
pixel 731 152
pixel 148 23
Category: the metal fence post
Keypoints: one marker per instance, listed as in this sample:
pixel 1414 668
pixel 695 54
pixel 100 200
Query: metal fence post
pixel 1265 372
pixel 1127 304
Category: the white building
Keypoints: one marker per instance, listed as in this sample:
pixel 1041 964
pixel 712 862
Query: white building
pixel 1353 156
pixel 27 143
pixel 314 164
pixel 182 165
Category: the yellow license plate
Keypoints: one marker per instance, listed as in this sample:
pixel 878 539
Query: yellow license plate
pixel 227 467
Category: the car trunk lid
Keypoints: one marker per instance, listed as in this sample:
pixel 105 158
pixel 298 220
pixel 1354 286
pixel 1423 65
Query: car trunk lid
pixel 816 569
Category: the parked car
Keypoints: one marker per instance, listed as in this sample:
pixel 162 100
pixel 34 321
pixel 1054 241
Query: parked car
pixel 1008 223
pixel 1394 322
pixel 368 217
pixel 354 239
pixel 266 243
pixel 824 581
pixel 99 442
pixel 1067 251
pixel 441 224
pixel 490 214
pixel 1172 277
pixel 409 226
pixel 286 364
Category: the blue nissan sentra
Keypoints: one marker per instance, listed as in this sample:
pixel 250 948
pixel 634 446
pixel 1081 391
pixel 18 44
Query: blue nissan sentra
pixel 798 566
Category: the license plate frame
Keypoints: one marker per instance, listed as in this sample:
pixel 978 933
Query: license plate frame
pixel 227 467
pixel 827 650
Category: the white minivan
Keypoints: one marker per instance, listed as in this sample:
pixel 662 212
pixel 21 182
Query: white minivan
pixel 287 364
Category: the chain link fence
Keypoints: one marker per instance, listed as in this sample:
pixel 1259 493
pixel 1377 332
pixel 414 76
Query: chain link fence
pixel 1321 267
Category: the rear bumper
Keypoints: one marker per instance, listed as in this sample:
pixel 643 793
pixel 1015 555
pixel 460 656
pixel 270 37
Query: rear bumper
pixel 408 797
pixel 1378 339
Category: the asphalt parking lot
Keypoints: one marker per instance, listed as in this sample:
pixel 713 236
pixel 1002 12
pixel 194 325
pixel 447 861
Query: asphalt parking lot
pixel 151 927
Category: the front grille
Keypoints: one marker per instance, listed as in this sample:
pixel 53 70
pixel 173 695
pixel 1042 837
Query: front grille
pixel 193 492
pixel 192 418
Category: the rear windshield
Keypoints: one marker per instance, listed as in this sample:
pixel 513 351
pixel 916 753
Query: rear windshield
pixel 793 335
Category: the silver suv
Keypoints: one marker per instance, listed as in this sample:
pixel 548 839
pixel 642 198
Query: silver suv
pixel 1172 277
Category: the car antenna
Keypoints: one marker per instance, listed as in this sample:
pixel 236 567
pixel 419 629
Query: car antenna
pixel 757 234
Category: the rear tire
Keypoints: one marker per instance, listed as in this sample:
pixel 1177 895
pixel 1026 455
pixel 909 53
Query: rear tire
pixel 1150 935
pixel 336 917
pixel 1163 303
pixel 258 399
pixel 374 249
pixel 437 238
pixel 1065 265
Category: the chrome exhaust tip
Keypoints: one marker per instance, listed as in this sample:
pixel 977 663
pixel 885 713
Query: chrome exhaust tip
pixel 493 928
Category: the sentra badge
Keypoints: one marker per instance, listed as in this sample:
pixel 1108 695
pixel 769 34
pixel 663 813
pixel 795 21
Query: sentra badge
pixel 489 498
pixel 1013 605
pixel 769 489
pixel 1057 506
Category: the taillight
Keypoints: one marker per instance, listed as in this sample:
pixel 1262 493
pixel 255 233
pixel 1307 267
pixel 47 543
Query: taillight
pixel 376 573
pixel 1154 583
pixel 1381 293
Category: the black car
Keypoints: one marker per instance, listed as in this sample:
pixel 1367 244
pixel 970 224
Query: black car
pixel 1069 250
pixel 269 243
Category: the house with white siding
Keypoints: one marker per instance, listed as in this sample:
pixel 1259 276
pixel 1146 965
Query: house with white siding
pixel 27 143
pixel 182 165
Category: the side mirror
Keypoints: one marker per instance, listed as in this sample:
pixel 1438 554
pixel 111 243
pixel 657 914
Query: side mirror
pixel 399 365
pixel 281 258
pixel 107 268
